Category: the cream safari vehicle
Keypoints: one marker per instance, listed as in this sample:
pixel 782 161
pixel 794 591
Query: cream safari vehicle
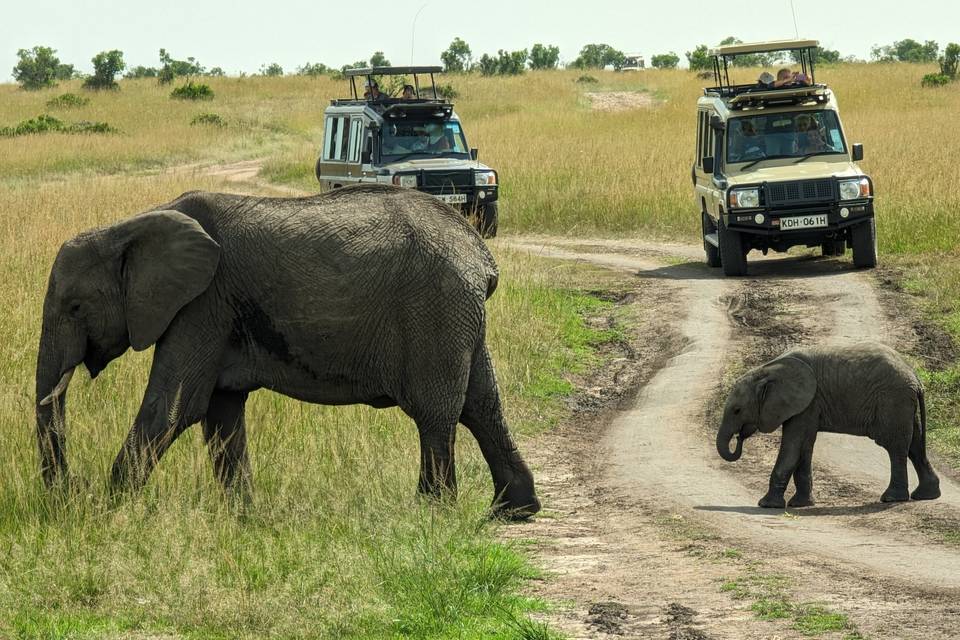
pixel 411 138
pixel 774 168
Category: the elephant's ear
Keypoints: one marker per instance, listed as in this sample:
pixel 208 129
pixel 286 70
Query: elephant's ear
pixel 168 261
pixel 784 387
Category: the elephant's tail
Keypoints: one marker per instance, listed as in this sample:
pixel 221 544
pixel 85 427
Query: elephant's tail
pixel 923 421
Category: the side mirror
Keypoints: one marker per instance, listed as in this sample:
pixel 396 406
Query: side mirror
pixel 474 154
pixel 857 152
pixel 716 123
pixel 707 164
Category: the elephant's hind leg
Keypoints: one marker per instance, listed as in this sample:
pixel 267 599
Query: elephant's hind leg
pixel 898 490
pixel 929 487
pixel 224 429
pixel 514 493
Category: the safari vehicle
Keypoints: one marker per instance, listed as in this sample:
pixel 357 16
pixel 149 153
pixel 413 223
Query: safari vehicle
pixel 773 166
pixel 414 141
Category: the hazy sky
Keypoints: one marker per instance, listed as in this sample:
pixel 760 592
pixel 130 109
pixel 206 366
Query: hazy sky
pixel 239 35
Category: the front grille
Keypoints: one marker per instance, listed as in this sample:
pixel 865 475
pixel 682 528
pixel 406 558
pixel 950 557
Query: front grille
pixel 447 181
pixel 800 192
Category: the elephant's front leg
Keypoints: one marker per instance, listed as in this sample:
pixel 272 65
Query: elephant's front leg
pixel 224 429
pixel 803 476
pixel 791 449
pixel 181 382
pixel 437 473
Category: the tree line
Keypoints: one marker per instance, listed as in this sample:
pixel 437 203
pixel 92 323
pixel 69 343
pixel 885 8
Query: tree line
pixel 39 67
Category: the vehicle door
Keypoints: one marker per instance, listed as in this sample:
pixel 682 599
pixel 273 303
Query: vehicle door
pixel 333 171
pixel 708 197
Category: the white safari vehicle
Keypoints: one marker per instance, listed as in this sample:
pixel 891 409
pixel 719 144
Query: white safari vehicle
pixel 408 137
pixel 774 168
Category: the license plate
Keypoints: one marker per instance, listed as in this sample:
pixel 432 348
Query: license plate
pixel 452 198
pixel 804 222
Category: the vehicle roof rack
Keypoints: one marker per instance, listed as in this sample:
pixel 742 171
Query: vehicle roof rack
pixel 723 55
pixel 370 72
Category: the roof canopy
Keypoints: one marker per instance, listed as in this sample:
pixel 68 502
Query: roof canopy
pixel 763 47
pixel 390 71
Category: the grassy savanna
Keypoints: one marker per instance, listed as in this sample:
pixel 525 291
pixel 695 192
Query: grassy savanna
pixel 336 545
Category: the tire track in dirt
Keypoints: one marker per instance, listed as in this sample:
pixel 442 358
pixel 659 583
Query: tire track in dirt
pixel 658 450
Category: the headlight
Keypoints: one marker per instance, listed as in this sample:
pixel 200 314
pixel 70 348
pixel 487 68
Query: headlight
pixel 408 181
pixel 483 178
pixel 854 189
pixel 745 198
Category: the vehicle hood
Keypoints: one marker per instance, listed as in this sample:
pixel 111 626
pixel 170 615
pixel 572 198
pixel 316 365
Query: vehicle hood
pixel 778 171
pixel 436 164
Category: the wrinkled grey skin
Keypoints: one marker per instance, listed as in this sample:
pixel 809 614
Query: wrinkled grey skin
pixel 863 390
pixel 370 294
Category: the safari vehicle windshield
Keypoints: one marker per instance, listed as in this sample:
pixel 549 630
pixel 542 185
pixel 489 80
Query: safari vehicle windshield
pixel 402 140
pixel 801 135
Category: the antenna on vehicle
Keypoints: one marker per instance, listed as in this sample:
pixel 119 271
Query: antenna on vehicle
pixel 796 31
pixel 413 29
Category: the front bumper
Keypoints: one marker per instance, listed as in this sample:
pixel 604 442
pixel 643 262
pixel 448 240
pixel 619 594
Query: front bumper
pixel 744 220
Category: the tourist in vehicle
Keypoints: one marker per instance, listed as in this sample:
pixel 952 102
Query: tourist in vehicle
pixel 786 77
pixel 409 93
pixel 746 143
pixel 373 91
pixel 438 142
pixel 809 138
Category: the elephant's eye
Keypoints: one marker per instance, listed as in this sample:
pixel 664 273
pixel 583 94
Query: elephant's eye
pixel 736 410
pixel 73 308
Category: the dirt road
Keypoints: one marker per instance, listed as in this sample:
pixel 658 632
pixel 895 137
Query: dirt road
pixel 620 546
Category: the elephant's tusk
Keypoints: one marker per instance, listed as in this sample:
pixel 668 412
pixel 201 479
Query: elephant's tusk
pixel 59 389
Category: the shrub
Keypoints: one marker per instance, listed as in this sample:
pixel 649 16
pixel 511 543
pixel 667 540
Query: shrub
pixel 599 56
pixel 507 63
pixel 106 66
pixel 935 80
pixel 272 70
pixel 447 92
pixel 39 68
pixel 586 80
pixel 192 91
pixel 171 68
pixel 67 101
pixel 544 56
pixel 699 58
pixel 313 69
pixel 949 60
pixel 211 119
pixel 665 61
pixel 46 123
pixel 379 60
pixel 141 71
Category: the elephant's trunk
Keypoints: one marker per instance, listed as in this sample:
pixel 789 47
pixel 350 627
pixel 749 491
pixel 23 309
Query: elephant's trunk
pixel 723 444
pixel 53 379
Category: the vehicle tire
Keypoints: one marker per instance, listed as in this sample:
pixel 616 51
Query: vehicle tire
pixel 713 253
pixel 487 220
pixel 733 257
pixel 832 248
pixel 864 241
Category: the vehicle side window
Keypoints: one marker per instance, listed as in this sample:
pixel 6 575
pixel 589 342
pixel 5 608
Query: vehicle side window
pixel 356 140
pixel 699 137
pixel 710 139
pixel 344 142
pixel 334 138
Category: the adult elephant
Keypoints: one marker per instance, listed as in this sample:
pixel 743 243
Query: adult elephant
pixel 366 295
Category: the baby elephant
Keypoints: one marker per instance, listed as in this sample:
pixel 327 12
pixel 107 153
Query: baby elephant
pixel 863 390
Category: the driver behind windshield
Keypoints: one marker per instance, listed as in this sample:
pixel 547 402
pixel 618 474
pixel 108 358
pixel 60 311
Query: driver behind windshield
pixel 810 138
pixel 748 145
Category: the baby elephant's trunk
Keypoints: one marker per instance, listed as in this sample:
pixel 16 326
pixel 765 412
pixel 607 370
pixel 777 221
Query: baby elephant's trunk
pixel 723 446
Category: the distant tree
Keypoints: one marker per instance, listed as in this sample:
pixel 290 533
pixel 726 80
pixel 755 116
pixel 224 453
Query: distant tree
pixel 699 58
pixel 106 66
pixel 457 58
pixel 821 55
pixel 141 71
pixel 665 61
pixel 359 64
pixel 65 72
pixel 907 50
pixel 599 56
pixel 272 70
pixel 379 60
pixel 171 68
pixel 487 65
pixel 511 63
pixel 38 68
pixel 544 56
pixel 216 72
pixel 950 60
pixel 313 69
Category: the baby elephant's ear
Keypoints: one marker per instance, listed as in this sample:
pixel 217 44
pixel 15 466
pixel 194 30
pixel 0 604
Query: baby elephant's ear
pixel 168 260
pixel 785 387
